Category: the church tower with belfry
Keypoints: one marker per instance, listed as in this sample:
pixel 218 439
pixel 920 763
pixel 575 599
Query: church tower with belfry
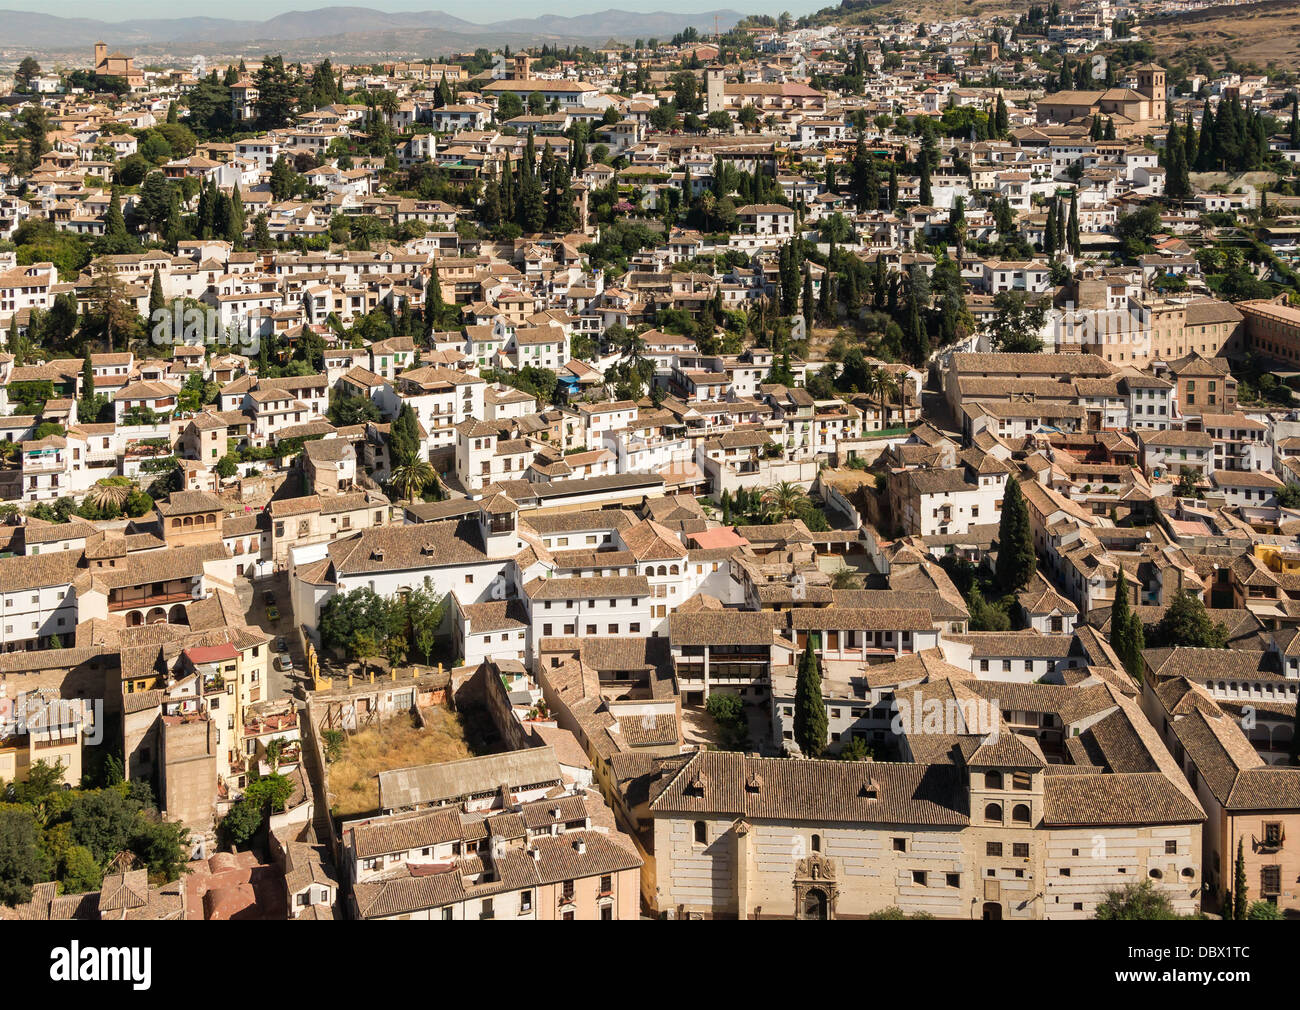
pixel 1151 85
pixel 714 77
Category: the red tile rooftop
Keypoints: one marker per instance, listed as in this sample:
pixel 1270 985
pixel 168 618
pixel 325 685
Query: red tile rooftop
pixel 723 536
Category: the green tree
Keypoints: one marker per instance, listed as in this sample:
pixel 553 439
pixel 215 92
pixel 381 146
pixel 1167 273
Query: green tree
pixel 1240 896
pixel 1135 901
pixel 412 477
pixel 1121 626
pixel 23 859
pixel 1017 560
pixel 425 611
pixel 1186 623
pixel 1017 325
pixel 156 298
pixel 78 871
pixel 27 70
pixel 810 724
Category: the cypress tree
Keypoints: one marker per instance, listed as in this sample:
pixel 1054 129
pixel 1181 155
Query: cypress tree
pixel 114 222
pixel 809 305
pixel 926 197
pixel 156 299
pixel 1240 892
pixel 810 724
pixel 1294 143
pixel 1049 232
pixel 1017 560
pixel 433 303
pixel 1121 627
pixel 1136 643
pixel 917 337
pixel 1205 149
pixel 893 186
pixel 1072 231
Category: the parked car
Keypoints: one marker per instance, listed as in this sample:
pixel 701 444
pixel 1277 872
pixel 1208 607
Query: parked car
pixel 272 613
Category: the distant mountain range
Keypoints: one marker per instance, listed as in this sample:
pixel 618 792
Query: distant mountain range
pixel 344 29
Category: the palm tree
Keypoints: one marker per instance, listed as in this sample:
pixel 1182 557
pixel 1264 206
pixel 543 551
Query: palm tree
pixel 630 346
pixel 871 387
pixel 412 478
pixel 887 388
pixel 108 494
pixel 785 500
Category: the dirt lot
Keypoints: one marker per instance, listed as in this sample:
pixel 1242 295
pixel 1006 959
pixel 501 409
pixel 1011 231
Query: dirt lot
pixel 1269 35
pixel 353 785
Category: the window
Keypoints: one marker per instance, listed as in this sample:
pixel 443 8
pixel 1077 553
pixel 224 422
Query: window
pixel 1273 834
pixel 607 884
pixel 1020 850
pixel 701 833
pixel 816 844
pixel 919 877
pixel 1021 780
pixel 952 879
pixel 1270 882
pixel 1065 871
pixel 900 844
pixel 1171 847
pixel 525 901
pixel 993 812
pixel 568 890
pixel 993 849
pixel 992 780
pixel 1020 813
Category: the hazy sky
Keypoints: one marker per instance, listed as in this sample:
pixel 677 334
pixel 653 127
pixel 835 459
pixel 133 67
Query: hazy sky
pixel 470 10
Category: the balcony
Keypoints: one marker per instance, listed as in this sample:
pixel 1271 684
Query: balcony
pixel 152 600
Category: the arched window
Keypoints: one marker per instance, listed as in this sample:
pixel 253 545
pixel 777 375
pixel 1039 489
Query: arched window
pixel 1020 813
pixel 189 521
pixel 701 833
pixel 816 843
pixel 673 570
pixel 176 523
pixel 993 812
pixel 992 780
pixel 663 570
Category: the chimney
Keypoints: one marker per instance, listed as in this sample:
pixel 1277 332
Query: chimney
pixel 580 846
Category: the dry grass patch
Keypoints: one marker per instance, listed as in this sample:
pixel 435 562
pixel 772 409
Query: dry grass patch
pixel 353 784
